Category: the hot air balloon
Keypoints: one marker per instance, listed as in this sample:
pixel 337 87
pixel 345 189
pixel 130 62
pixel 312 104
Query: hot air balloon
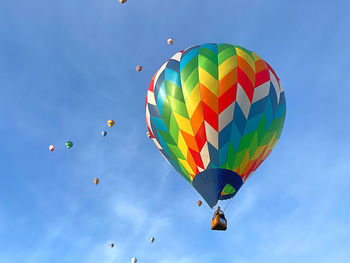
pixel 52 148
pixel 139 68
pixel 110 123
pixel 96 181
pixel 170 41
pixel 112 245
pixel 216 111
pixel 133 260
pixel 199 202
pixel 122 1
pixel 149 135
pixel 104 133
pixel 152 239
pixel 69 144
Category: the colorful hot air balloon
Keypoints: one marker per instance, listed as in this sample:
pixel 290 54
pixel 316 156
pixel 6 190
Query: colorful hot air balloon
pixel 110 123
pixel 170 41
pixel 199 202
pixel 133 260
pixel 216 111
pixel 122 1
pixel 52 148
pixel 139 68
pixel 149 135
pixel 152 239
pixel 96 181
pixel 69 144
pixel 104 133
pixel 112 245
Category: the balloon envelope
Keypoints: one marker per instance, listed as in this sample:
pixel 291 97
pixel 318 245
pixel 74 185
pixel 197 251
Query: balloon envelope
pixel 104 133
pixel 133 260
pixel 52 148
pixel 110 123
pixel 215 111
pixel 69 144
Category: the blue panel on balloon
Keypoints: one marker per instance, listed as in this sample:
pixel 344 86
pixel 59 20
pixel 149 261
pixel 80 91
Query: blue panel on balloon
pixel 211 182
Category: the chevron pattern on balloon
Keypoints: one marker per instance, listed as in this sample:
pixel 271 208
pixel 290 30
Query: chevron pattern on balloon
pixel 215 106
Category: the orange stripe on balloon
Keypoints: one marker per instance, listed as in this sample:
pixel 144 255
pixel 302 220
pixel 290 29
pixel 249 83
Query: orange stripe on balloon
pixel 191 161
pixel 228 81
pixel 190 141
pixel 247 69
pixel 248 166
pixel 197 118
pixel 209 98
pixel 260 65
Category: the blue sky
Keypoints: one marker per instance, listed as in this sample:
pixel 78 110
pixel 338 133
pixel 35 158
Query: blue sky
pixel 66 67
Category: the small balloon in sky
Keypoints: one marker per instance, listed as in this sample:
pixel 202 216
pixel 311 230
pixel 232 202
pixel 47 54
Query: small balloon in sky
pixel 69 144
pixel 170 41
pixel 110 123
pixel 122 1
pixel 52 148
pixel 133 260
pixel 152 239
pixel 149 135
pixel 96 181
pixel 139 68
pixel 112 245
pixel 104 133
pixel 199 202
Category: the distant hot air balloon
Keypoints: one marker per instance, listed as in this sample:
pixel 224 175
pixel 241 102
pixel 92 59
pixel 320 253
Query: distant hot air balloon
pixel 199 202
pixel 52 148
pixel 216 111
pixel 69 144
pixel 110 123
pixel 96 181
pixel 139 68
pixel 149 135
pixel 122 1
pixel 112 245
pixel 104 133
pixel 133 260
pixel 170 41
pixel 152 239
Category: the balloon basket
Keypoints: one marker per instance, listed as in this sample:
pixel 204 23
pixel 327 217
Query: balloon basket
pixel 219 222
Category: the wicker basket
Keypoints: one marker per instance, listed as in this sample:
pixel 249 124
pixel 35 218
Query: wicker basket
pixel 219 222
